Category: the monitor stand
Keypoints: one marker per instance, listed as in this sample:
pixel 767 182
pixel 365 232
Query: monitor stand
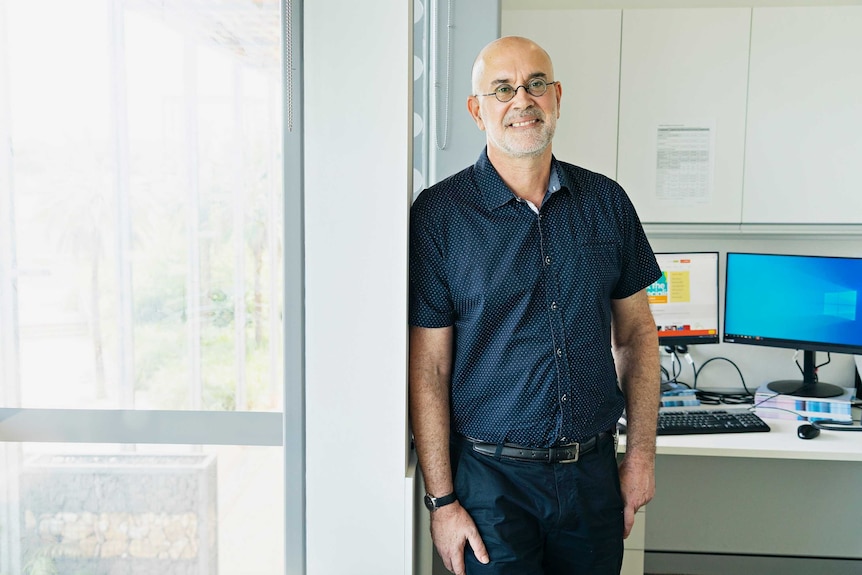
pixel 808 386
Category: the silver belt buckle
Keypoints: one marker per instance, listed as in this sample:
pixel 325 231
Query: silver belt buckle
pixel 575 446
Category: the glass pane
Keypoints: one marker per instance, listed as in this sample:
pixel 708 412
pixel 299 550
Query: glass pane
pixel 102 509
pixel 146 184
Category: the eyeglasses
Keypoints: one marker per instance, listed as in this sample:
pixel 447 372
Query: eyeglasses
pixel 505 92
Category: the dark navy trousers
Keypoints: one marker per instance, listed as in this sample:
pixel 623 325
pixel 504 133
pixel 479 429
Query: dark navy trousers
pixel 540 518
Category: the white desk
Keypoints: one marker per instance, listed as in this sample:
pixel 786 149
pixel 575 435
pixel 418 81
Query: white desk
pixel 780 443
pixel 756 495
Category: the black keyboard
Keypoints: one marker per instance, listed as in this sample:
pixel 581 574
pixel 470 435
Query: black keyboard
pixel 709 421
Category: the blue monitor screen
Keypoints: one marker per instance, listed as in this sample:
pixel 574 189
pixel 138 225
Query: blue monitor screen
pixel 803 302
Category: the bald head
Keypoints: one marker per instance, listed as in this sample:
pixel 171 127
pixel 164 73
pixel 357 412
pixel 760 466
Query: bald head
pixel 505 53
pixel 522 126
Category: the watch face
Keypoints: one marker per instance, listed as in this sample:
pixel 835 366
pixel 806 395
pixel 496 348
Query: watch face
pixel 429 502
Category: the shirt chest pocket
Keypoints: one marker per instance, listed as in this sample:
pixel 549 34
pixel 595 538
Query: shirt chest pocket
pixel 499 281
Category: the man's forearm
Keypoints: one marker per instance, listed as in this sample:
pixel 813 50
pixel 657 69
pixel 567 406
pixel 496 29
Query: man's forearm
pixel 639 378
pixel 635 347
pixel 429 380
pixel 429 417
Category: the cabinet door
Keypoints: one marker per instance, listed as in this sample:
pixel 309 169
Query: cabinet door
pixel 682 113
pixel 803 160
pixel 584 46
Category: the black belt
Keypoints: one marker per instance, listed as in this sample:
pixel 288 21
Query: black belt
pixel 568 453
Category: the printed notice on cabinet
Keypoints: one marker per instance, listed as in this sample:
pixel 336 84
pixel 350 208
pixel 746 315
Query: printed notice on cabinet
pixel 684 163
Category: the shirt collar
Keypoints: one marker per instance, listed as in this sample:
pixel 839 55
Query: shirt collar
pixel 496 193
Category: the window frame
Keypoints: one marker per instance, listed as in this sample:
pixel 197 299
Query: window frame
pixel 285 428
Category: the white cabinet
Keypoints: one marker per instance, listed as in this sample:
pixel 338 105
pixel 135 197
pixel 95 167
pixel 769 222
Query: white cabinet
pixel 803 160
pixel 584 46
pixel 634 546
pixel 735 116
pixel 682 112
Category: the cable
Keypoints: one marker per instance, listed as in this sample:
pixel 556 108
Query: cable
pixel 683 349
pixel 673 376
pixel 773 396
pixel 816 367
pixel 718 397
pixel 834 425
pixel 667 381
pixel 713 398
pixel 665 373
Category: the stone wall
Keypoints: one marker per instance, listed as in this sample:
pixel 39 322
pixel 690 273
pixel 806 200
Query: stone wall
pixel 118 514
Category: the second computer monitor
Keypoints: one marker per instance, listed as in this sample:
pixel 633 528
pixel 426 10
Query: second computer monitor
pixel 684 301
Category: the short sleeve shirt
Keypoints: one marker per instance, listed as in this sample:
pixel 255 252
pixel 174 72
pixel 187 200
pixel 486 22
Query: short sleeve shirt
pixel 529 297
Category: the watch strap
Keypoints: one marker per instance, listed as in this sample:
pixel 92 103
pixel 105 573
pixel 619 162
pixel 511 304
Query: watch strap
pixel 434 503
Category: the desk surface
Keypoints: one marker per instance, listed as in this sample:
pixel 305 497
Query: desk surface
pixel 780 443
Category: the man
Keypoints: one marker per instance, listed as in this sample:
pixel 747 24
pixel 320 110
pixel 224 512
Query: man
pixel 530 331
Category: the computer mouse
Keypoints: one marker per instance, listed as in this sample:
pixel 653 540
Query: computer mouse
pixel 807 431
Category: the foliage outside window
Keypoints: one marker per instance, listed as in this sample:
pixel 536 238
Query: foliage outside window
pixel 145 204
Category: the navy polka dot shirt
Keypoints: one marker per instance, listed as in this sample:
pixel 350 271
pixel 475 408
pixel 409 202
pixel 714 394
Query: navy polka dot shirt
pixel 529 297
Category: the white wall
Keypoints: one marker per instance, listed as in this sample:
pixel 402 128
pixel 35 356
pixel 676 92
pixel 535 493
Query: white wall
pixel 357 189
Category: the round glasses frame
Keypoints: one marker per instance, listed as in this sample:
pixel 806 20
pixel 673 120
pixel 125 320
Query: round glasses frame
pixel 506 92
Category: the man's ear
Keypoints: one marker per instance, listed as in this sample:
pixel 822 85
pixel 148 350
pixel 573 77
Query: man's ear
pixel 473 108
pixel 559 94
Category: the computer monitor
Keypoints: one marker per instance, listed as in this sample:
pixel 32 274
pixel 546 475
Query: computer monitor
pixel 808 303
pixel 684 300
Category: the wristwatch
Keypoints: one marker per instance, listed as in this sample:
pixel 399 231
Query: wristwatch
pixel 435 503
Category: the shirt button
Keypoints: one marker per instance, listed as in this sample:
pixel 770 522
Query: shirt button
pixel 559 352
pixel 554 306
pixel 564 398
pixel 547 260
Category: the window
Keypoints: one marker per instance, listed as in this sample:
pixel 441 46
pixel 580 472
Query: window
pixel 142 286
